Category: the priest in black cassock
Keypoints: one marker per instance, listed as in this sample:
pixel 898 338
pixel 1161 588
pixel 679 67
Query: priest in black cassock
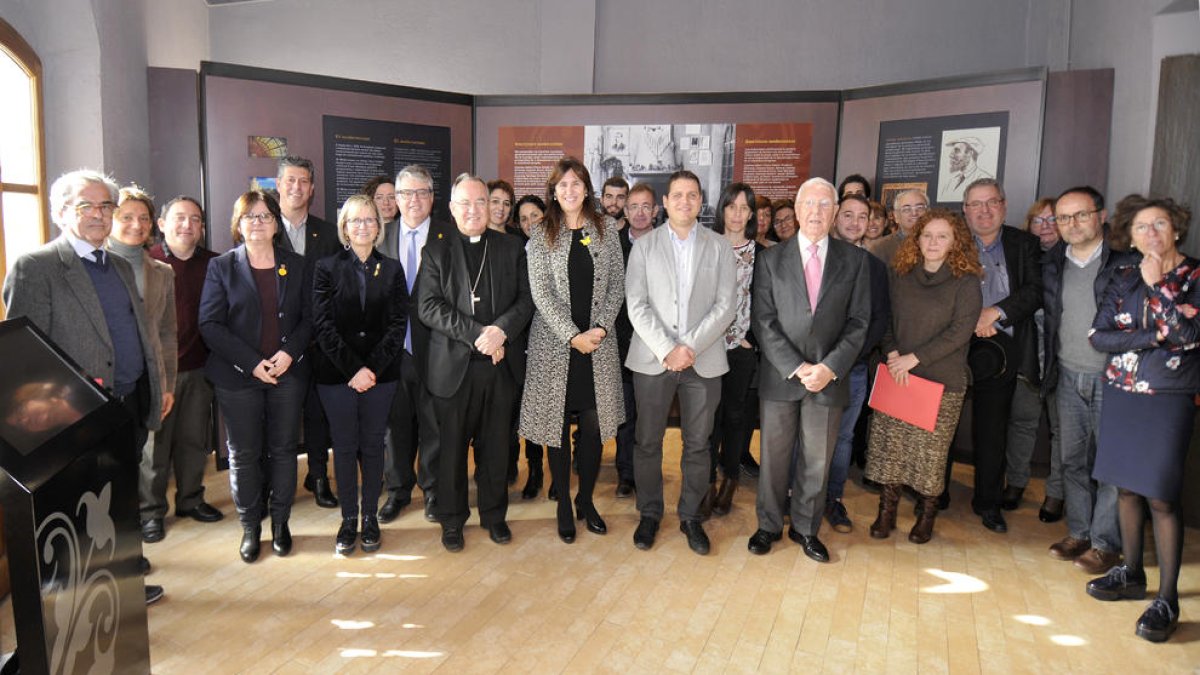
pixel 474 295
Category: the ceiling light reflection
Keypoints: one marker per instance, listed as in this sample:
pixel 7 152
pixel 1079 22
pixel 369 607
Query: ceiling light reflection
pixel 1032 619
pixel 956 582
pixel 1068 640
pixel 352 625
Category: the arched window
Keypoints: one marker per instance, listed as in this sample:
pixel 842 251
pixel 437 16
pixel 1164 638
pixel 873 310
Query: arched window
pixel 23 207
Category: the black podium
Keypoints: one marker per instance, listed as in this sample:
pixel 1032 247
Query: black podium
pixel 69 492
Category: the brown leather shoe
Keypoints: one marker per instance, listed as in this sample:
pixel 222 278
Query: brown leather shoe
pixel 1095 561
pixel 1070 548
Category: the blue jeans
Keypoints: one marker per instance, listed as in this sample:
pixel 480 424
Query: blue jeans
pixel 840 465
pixel 1091 505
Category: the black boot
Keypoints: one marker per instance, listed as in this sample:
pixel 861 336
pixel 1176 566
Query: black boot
pixel 534 484
pixel 318 484
pixel 281 538
pixel 250 542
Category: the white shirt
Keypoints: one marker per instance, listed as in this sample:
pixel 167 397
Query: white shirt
pixel 422 236
pixel 295 233
pixel 684 249
pixel 822 250
pixel 82 248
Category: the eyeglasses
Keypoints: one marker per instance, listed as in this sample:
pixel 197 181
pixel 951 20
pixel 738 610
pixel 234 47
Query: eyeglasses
pixel 978 205
pixel 817 203
pixel 106 208
pixel 1083 217
pixel 258 217
pixel 1049 220
pixel 639 208
pixel 362 222
pixel 421 193
pixel 386 198
pixel 913 209
pixel 467 204
pixel 1160 225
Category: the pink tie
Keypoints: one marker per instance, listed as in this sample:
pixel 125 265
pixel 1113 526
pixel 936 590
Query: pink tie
pixel 812 277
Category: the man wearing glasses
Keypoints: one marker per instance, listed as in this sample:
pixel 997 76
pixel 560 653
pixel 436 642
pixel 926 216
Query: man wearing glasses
pixel 1012 294
pixel 907 207
pixel 412 423
pixel 86 301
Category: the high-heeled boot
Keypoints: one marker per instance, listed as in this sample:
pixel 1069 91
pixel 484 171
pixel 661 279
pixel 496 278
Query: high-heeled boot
pixel 534 484
pixel 922 531
pixel 724 502
pixel 885 522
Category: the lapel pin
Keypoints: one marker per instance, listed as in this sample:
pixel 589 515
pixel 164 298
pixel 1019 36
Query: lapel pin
pixel 283 270
pixel 376 269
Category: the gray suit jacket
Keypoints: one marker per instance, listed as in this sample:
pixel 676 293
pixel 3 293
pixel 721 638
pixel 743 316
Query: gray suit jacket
pixel 50 286
pixel 651 296
pixel 790 333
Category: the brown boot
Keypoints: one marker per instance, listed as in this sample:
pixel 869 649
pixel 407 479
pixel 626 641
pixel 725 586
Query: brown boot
pixel 885 522
pixel 706 505
pixel 725 496
pixel 922 531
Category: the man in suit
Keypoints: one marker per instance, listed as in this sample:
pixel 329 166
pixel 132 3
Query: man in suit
pixel 907 208
pixel 412 423
pixel 86 301
pixel 1012 294
pixel 473 292
pixel 679 293
pixel 304 233
pixel 811 310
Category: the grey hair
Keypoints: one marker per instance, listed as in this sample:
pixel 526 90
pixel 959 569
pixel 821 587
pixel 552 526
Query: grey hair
pixel 66 186
pixel 415 172
pixel 296 161
pixel 984 182
pixel 910 191
pixel 818 181
pixel 466 177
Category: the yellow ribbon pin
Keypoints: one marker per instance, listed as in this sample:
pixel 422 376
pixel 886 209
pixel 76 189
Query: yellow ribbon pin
pixel 283 270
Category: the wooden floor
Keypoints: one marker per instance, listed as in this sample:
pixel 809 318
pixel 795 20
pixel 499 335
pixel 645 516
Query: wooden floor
pixel 969 601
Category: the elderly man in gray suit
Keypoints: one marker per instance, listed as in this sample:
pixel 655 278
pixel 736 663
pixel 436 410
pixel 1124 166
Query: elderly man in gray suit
pixel 86 301
pixel 812 304
pixel 679 287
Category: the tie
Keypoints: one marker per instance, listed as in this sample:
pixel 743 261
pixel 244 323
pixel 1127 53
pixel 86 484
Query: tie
pixel 99 256
pixel 410 276
pixel 812 277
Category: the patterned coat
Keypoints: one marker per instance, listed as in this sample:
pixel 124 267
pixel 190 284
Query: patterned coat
pixel 549 353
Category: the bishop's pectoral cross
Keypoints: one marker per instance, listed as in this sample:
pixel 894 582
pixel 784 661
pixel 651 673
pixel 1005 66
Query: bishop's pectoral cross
pixel 474 299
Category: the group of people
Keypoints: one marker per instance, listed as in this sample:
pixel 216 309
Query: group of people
pixel 403 342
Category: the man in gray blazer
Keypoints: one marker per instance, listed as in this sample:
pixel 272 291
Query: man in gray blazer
pixel 679 287
pixel 811 306
pixel 86 301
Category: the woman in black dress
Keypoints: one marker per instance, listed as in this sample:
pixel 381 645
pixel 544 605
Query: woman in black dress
pixel 1147 323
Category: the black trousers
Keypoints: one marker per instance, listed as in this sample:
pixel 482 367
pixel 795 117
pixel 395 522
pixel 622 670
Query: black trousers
pixel 358 423
pixel 411 446
pixel 587 457
pixel 317 440
pixel 733 426
pixel 479 410
pixel 990 408
pixel 263 423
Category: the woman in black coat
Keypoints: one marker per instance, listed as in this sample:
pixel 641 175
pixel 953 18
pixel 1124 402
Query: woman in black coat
pixel 360 309
pixel 254 317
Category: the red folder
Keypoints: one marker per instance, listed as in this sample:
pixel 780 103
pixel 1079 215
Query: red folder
pixel 917 404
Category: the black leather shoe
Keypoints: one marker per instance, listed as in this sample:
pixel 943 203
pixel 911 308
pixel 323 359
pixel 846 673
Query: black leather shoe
pixel 696 538
pixel 143 565
pixel 761 540
pixel 994 520
pixel 643 536
pixel 1120 583
pixel 625 489
pixel 370 534
pixel 250 543
pixel 1051 511
pixel 595 524
pixel 155 593
pixel 533 484
pixel 1156 623
pixel 153 530
pixel 319 486
pixel 1011 498
pixel 281 539
pixel 749 466
pixel 813 548
pixel 391 509
pixel 452 538
pixel 204 513
pixel 500 533
pixel 347 536
pixel 430 503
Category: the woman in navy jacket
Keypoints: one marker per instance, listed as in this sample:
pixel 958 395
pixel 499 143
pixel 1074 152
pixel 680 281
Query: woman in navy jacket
pixel 254 317
pixel 1147 323
pixel 360 310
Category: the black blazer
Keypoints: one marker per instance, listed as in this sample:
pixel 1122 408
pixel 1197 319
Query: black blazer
pixel 350 334
pixel 438 229
pixel 231 317
pixel 444 300
pixel 320 236
pixel 789 333
pixel 1023 258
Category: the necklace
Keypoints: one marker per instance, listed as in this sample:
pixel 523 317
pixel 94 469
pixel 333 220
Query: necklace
pixel 478 276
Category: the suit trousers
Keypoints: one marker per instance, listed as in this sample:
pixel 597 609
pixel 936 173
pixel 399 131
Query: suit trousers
pixel 627 432
pixel 804 432
pixel 991 407
pixel 357 423
pixel 698 400
pixel 181 444
pixel 411 445
pixel 478 411
pixel 316 433
pixel 263 422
